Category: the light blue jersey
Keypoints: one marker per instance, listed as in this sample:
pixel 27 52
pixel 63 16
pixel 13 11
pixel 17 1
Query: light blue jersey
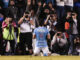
pixel 41 34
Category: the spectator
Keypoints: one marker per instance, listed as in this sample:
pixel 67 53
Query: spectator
pixel 51 6
pixel 51 23
pixel 46 12
pixel 68 21
pixel 13 10
pixel 44 5
pixel 74 31
pixel 29 5
pixel 34 3
pixel 25 33
pixel 59 43
pixel 39 9
pixel 34 18
pixel 8 35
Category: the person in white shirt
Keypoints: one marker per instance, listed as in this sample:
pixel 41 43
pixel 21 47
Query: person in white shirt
pixel 25 33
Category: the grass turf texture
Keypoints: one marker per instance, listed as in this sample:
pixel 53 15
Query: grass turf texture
pixel 39 58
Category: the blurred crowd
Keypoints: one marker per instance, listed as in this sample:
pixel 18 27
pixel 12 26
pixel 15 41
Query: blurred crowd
pixel 19 18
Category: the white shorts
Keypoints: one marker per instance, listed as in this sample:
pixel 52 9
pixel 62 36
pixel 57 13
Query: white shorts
pixel 44 50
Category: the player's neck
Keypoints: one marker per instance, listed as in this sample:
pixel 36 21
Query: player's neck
pixel 41 26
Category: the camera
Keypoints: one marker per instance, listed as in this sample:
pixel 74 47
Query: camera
pixel 26 16
pixel 58 34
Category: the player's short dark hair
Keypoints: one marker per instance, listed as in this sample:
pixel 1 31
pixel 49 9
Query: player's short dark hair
pixel 41 22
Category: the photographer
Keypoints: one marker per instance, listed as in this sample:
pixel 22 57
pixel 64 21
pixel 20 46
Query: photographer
pixel 51 23
pixel 59 43
pixel 26 26
pixel 74 31
pixel 8 26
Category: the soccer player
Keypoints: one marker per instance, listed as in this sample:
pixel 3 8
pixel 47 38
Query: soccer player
pixel 40 34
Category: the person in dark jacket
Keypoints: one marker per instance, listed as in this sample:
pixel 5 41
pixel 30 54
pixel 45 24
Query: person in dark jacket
pixel 13 10
pixel 74 32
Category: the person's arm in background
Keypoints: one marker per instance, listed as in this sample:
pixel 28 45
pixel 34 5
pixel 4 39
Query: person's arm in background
pixel 5 23
pixel 32 23
pixel 47 20
pixel 21 19
pixel 54 39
